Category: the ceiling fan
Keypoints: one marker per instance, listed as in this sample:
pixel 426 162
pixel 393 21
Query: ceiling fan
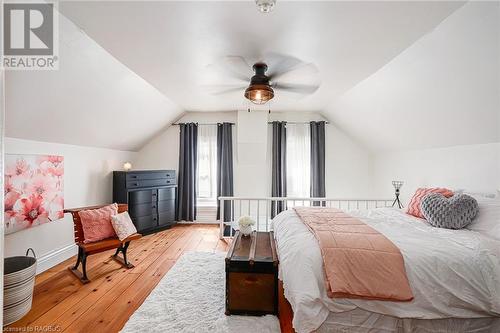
pixel 278 74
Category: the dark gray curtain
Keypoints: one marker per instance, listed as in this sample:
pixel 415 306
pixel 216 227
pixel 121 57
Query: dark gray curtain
pixel 224 167
pixel 317 160
pixel 188 150
pixel 278 172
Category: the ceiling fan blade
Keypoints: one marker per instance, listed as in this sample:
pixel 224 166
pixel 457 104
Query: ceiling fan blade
pixel 238 66
pixel 229 91
pixel 305 70
pixel 280 63
pixel 234 67
pixel 219 74
pixel 224 89
pixel 303 89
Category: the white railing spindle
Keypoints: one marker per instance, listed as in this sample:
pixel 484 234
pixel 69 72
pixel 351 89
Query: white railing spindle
pixel 287 202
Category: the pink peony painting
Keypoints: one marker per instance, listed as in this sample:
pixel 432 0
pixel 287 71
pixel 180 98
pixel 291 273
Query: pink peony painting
pixel 33 188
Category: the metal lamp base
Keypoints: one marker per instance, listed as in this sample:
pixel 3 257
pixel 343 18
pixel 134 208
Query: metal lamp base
pixel 398 202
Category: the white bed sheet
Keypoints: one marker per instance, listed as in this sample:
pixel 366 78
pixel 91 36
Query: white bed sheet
pixel 361 321
pixel 452 273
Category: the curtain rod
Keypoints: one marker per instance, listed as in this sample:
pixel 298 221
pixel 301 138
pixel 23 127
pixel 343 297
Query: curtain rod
pixel 296 122
pixel 203 124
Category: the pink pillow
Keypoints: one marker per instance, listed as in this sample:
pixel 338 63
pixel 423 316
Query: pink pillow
pixel 414 205
pixel 96 223
pixel 123 225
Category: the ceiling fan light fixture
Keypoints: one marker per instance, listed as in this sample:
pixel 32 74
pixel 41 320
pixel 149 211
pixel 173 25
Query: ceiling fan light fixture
pixel 259 93
pixel 265 6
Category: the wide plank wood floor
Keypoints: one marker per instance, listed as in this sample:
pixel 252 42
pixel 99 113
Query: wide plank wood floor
pixel 62 304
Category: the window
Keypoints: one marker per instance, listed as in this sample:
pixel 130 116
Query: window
pixel 298 159
pixel 207 165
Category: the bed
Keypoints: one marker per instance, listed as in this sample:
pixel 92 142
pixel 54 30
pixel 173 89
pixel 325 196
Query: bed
pixel 454 276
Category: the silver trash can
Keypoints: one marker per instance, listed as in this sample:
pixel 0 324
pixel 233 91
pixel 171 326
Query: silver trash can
pixel 19 281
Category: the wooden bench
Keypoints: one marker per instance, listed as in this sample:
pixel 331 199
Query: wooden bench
pixel 86 249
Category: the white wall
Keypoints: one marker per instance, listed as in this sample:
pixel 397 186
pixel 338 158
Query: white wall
pixel 444 90
pixel 2 129
pixel 349 167
pixel 475 168
pixel 93 99
pixel 251 166
pixel 431 116
pixel 162 152
pixel 87 181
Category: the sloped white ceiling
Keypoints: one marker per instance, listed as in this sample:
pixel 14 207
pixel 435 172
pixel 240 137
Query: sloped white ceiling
pixel 442 91
pixel 388 69
pixel 92 100
pixel 171 43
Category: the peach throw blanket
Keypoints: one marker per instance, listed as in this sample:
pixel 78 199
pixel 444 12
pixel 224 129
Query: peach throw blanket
pixel 359 261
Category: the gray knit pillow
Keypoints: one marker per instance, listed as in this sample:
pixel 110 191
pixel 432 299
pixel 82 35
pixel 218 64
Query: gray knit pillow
pixel 452 213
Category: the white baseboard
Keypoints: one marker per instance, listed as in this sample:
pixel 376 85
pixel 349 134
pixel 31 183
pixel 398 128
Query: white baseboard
pixel 55 257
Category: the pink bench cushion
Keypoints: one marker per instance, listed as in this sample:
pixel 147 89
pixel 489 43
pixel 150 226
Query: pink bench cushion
pixel 96 223
pixel 416 200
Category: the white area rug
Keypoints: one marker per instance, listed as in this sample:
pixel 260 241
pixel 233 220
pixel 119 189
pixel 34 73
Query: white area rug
pixel 191 298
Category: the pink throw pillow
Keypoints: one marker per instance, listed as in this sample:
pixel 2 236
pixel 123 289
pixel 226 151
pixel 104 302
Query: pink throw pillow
pixel 414 205
pixel 123 225
pixel 96 223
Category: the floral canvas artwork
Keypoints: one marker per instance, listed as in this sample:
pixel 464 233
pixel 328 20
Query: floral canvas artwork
pixel 33 188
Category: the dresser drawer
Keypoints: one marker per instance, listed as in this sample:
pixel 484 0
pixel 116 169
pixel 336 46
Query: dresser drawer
pixel 169 174
pixel 166 218
pixel 142 209
pixel 145 222
pixel 166 206
pixel 140 197
pixel 166 193
pixel 150 183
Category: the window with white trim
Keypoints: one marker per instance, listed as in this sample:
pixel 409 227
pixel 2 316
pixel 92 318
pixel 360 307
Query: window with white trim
pixel 207 165
pixel 298 159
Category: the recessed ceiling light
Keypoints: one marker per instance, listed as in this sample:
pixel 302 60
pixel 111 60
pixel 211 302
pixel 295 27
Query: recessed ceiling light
pixel 265 6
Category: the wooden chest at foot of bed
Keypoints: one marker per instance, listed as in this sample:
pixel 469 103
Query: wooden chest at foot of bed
pixel 252 275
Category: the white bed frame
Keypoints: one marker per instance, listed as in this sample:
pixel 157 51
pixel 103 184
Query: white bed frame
pixel 260 208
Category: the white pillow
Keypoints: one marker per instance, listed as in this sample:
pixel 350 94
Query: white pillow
pixel 490 195
pixel 487 221
pixel 123 225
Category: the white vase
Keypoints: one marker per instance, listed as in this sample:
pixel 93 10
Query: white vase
pixel 246 230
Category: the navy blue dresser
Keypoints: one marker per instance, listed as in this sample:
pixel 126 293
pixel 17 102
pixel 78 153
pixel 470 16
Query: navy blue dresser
pixel 151 197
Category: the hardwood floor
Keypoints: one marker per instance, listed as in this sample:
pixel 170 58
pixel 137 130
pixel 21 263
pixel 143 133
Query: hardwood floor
pixel 62 304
